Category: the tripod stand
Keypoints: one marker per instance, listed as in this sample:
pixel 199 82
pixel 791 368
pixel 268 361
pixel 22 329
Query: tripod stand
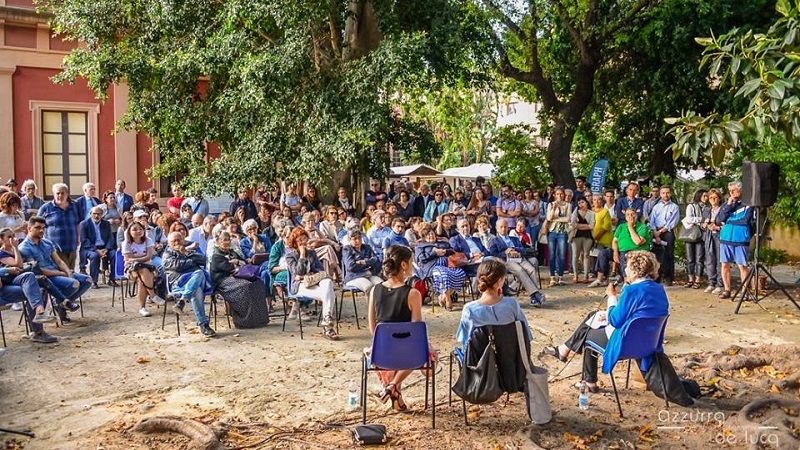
pixel 746 290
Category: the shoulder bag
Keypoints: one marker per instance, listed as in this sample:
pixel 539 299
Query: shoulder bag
pixel 537 390
pixel 247 272
pixel 542 239
pixel 480 384
pixel 691 233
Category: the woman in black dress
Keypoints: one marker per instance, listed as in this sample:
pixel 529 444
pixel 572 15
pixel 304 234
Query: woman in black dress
pixel 395 301
pixel 249 308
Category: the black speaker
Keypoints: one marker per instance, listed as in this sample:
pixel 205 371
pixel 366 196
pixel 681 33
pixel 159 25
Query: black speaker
pixel 760 183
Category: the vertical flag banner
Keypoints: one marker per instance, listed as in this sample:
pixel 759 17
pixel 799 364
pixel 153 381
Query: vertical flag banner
pixel 597 176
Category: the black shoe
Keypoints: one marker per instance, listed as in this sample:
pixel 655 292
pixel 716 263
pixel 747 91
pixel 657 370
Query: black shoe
pixel 65 320
pixel 43 338
pixel 95 286
pixel 178 307
pixel 113 283
pixel 71 306
pixel 207 331
pixel 82 271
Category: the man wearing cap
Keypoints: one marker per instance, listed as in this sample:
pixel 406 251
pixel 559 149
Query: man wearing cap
pixel 97 242
pixel 11 184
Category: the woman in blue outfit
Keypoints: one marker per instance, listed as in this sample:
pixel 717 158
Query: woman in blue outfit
pixel 492 308
pixel 431 257
pixel 641 297
pixel 255 248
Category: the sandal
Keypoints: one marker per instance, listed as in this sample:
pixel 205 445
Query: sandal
pixel 397 400
pixel 725 295
pixel 386 393
pixel 555 353
pixel 592 389
pixel 330 334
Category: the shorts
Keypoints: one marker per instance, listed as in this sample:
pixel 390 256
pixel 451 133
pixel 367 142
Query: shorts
pixel 734 253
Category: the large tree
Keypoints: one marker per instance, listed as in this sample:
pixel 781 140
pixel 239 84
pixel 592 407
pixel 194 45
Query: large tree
pixel 557 48
pixel 299 89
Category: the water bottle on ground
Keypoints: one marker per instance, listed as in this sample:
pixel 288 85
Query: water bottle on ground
pixel 583 398
pixel 352 395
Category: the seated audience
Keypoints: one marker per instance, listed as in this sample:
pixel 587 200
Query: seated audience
pixel 245 297
pixel 278 270
pixel 432 260
pixel 470 246
pixel 361 265
pixel 97 242
pixel 396 236
pixel 138 252
pixel 324 248
pixel 509 249
pixel 188 279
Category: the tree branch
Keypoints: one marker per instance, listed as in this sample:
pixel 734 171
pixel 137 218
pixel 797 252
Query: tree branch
pixel 628 18
pixel 510 24
pixel 574 32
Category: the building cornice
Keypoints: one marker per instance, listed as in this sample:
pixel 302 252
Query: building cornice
pixel 23 16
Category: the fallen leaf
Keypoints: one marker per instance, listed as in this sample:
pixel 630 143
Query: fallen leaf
pixel 775 389
pixel 142 360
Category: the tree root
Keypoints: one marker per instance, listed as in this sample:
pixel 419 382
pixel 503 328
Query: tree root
pixel 202 436
pixel 766 421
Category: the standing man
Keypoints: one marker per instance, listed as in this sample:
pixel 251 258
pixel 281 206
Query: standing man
pixel 11 184
pixel 124 201
pixel 663 221
pixel 62 218
pixel 67 285
pixel 250 211
pixel 375 193
pixel 647 210
pixel 422 200
pixel 580 187
pixel 630 201
pixel 734 237
pixel 87 202
pixel 508 207
pixel 97 242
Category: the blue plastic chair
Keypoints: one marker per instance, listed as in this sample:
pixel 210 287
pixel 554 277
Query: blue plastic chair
pixel 122 279
pixel 641 338
pixel 399 346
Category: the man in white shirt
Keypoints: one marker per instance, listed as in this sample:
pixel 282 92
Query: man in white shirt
pixel 201 235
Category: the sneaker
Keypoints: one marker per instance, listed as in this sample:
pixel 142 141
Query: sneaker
pixel 178 307
pixel 207 331
pixel 327 321
pixel 144 312
pixel 537 299
pixel 113 283
pixel 2 352
pixel 66 320
pixel 71 306
pixel 43 317
pixel 44 338
pixel 158 301
pixel 595 283
pixel 717 290
pixel 709 290
pixel 95 286
pixel 293 314
pixel 16 306
pixel 553 282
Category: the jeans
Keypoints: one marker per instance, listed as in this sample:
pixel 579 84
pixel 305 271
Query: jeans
pixel 712 259
pixel 604 260
pixel 557 245
pixel 16 294
pixel 30 288
pixel 196 288
pixel 695 252
pixel 64 287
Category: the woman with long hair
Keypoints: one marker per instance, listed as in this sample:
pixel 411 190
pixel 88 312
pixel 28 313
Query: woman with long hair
pixel 695 251
pixel 137 250
pixel 478 204
pixel 558 215
pixel 405 207
pixel 711 227
pixel 583 220
pixel 324 248
pixel 11 215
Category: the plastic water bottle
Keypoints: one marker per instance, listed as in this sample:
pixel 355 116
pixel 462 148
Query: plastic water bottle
pixel 583 399
pixel 352 395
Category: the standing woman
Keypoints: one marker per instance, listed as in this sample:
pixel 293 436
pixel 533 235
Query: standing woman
pixel 110 211
pixel 695 251
pixel 558 215
pixel 138 253
pixel 479 204
pixel 582 243
pixel 530 211
pixel 711 227
pixel 395 301
pixel 602 239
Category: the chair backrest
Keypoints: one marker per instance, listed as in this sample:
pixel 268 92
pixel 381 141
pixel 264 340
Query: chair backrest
pixel 510 367
pixel 400 345
pixel 119 265
pixel 643 337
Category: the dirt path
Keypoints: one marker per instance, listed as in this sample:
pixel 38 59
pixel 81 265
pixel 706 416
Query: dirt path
pixel 113 369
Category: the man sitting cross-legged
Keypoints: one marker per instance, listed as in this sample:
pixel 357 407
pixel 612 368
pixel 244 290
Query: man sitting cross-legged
pixel 509 249
pixel 187 278
pixel 65 285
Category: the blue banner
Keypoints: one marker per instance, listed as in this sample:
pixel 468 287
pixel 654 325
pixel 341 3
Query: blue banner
pixel 597 177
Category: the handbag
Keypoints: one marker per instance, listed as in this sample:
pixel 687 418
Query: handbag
pixel 480 384
pixel 373 434
pixel 248 272
pixel 313 279
pixel 690 233
pixel 259 258
pixel 572 229
pixel 457 259
pixel 537 390
pixel 542 239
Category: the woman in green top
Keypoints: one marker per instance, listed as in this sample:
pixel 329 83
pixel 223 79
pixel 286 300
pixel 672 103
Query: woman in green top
pixel 630 236
pixel 278 271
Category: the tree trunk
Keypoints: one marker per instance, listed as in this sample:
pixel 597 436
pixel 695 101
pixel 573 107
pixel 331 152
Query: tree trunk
pixel 558 154
pixel 662 161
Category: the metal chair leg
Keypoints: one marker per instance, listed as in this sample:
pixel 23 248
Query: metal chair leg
pixel 628 376
pixel 3 329
pixel 364 373
pixel 616 394
pixel 355 309
pixel 433 397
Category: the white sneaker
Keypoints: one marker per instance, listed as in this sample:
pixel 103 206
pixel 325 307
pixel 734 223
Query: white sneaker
pixel 717 290
pixel 16 306
pixel 149 301
pixel 144 312
pixel 159 301
pixel 596 283
pixel 709 289
pixel 561 281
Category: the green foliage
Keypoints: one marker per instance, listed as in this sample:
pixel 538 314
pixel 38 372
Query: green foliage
pixel 763 68
pixel 523 163
pixel 286 90
pixel 772 256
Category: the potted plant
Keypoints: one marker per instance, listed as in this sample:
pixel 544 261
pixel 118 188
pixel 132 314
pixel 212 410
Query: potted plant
pixel 770 257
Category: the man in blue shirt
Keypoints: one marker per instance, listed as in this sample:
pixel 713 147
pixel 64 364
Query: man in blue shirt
pixel 62 217
pixel 630 201
pixel 67 285
pixel 124 201
pixel 508 207
pixel 97 242
pixel 663 220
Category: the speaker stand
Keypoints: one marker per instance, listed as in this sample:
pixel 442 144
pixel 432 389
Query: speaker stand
pixel 746 291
